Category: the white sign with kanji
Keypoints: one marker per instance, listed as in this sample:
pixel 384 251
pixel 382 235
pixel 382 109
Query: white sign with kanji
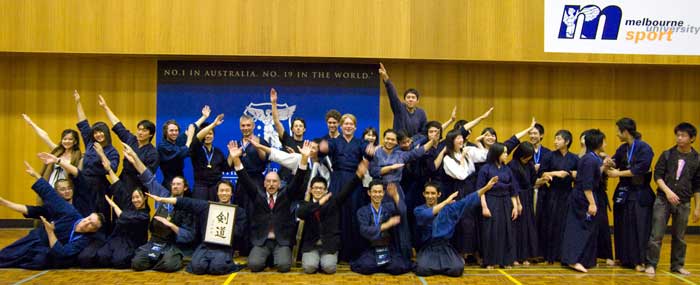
pixel 220 222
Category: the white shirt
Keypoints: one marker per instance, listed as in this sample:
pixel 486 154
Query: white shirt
pixel 458 171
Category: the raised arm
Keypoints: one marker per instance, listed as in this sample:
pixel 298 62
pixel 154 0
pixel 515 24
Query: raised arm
pixel 439 158
pixel 49 227
pixel 203 132
pixel 206 112
pixel 79 107
pixel 19 208
pixel 260 148
pixel 190 135
pixel 478 120
pixel 297 185
pixel 131 156
pixel 247 183
pixel 524 132
pixel 175 228
pixel 261 153
pixel 110 115
pixel 115 207
pixel 453 117
pixel 43 135
pixel 394 100
pixel 275 114
pixel 53 203
pixel 111 176
pixel 450 199
pixel 393 192
pixel 426 147
pixel 348 188
pixel 166 200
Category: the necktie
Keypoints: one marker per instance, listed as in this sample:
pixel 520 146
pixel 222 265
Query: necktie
pixel 317 215
pixel 681 164
pixel 272 202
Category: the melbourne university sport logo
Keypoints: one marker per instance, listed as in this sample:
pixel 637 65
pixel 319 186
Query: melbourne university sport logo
pixel 591 19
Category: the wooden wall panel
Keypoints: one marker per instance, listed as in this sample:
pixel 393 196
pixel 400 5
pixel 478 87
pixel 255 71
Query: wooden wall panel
pixel 472 30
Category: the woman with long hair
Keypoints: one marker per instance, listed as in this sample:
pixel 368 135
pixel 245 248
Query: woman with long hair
pixel 526 236
pixel 68 149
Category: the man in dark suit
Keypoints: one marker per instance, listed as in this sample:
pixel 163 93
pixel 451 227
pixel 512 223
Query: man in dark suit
pixel 321 240
pixel 272 223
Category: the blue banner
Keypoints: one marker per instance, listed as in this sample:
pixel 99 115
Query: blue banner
pixel 306 90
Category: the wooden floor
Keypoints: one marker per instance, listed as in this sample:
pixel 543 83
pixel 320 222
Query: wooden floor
pixel 534 274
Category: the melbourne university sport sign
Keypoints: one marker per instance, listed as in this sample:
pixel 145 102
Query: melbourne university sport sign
pixel 669 27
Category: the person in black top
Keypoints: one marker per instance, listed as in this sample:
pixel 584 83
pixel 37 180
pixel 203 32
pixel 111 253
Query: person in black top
pixel 210 258
pixel 677 173
pixel 175 147
pixel 208 161
pixel 171 230
pixel 140 143
pixel 93 173
pixel 633 197
pixel 321 238
pixel 130 226
pixel 290 143
pixel 272 223
pixel 57 243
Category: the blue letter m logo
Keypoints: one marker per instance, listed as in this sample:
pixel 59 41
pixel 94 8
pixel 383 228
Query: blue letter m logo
pixel 591 17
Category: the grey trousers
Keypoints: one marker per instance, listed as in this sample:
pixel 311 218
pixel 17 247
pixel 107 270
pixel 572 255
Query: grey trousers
pixel 282 256
pixel 679 214
pixel 310 261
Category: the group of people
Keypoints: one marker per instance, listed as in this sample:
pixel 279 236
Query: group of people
pixel 414 202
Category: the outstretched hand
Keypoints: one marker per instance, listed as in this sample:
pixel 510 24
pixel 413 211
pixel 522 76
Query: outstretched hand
pixel 27 119
pixel 325 198
pixel 206 111
pixel 306 149
pixel 154 197
pixel 98 148
pixel 233 149
pixel 273 96
pixel 487 114
pixel 492 181
pixel 48 226
pixel 219 120
pixel 371 149
pixel 382 72
pixel 101 101
pixel 30 170
pixel 452 197
pixel 393 191
pixel 47 158
pixel 190 131
pixel 129 153
pixel 164 221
